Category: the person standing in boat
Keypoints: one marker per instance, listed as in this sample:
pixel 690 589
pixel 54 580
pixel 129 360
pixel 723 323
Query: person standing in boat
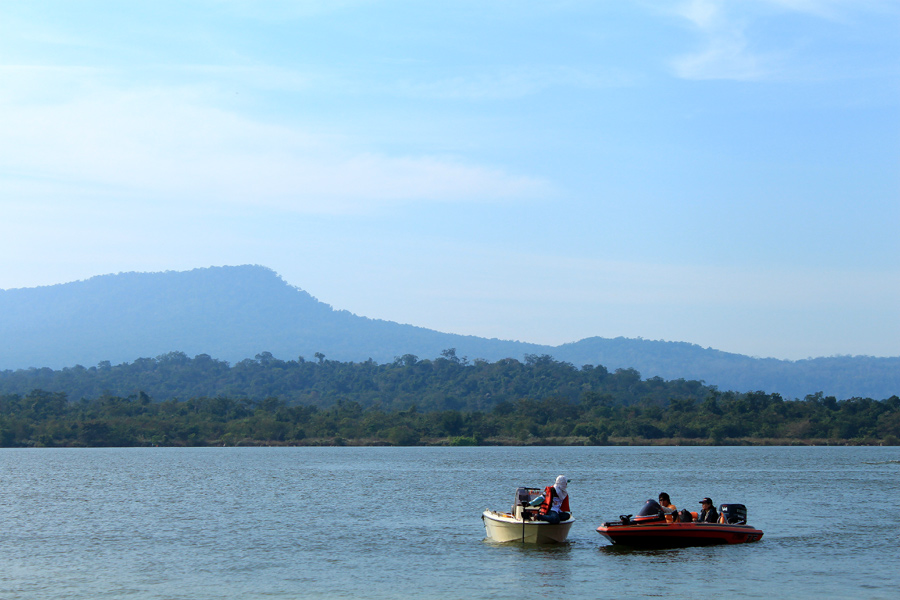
pixel 708 512
pixel 667 507
pixel 554 502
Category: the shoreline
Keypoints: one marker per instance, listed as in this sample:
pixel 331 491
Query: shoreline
pixel 505 442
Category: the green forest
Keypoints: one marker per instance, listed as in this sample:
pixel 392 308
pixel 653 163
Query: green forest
pixel 174 400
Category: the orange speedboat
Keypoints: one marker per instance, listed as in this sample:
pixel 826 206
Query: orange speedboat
pixel 650 528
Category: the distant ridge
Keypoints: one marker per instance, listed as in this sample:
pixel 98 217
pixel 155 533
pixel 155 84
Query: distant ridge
pixel 230 313
pixel 233 313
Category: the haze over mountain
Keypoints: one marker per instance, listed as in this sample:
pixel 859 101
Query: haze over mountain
pixel 233 313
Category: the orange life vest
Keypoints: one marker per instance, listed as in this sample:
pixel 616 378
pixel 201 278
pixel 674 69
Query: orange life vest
pixel 549 493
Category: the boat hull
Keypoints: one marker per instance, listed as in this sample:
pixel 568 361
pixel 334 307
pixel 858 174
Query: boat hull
pixel 504 527
pixel 678 535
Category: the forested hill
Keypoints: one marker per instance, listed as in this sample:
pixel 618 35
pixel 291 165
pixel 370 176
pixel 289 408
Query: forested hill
pixel 840 376
pixel 176 400
pixel 235 313
pixel 446 383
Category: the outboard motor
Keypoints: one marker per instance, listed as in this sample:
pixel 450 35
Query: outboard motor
pixel 523 497
pixel 734 513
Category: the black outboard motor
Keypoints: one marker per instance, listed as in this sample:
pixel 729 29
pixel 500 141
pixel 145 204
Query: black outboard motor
pixel 735 514
pixel 523 497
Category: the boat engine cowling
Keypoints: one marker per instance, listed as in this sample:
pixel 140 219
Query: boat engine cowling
pixel 523 497
pixel 734 513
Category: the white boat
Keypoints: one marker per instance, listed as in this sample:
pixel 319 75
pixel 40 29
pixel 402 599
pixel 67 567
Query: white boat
pixel 520 525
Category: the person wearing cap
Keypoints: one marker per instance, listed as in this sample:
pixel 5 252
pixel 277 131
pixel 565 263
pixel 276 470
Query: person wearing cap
pixel 666 504
pixel 554 502
pixel 708 512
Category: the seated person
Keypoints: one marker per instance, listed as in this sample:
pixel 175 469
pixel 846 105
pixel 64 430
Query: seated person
pixel 667 506
pixel 554 502
pixel 708 512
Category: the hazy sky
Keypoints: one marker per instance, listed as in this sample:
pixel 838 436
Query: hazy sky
pixel 725 173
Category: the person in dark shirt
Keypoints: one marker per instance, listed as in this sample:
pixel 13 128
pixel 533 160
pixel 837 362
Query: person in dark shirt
pixel 708 512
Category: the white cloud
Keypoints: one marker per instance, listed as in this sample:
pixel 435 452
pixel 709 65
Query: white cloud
pixel 729 51
pixel 169 144
pixel 705 14
pixel 724 57
pixel 725 53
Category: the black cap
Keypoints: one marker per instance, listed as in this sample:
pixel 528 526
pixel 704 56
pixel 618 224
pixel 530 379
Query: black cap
pixel 707 500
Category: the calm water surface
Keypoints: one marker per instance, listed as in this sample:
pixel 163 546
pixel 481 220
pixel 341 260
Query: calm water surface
pixel 274 523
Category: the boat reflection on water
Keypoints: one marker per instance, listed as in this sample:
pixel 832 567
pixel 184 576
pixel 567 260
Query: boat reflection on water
pixel 650 528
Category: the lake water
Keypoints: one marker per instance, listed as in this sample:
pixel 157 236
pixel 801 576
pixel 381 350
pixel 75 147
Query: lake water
pixel 166 523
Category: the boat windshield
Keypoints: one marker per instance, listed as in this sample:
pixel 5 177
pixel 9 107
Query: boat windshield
pixel 650 508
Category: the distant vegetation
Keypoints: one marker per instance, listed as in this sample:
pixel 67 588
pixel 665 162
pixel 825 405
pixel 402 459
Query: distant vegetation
pixel 232 313
pixel 446 383
pixel 176 400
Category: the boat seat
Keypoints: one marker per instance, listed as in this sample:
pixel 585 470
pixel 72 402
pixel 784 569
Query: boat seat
pixel 685 516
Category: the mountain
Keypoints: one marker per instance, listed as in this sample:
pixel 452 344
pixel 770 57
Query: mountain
pixel 233 313
pixel 839 376
pixel 230 313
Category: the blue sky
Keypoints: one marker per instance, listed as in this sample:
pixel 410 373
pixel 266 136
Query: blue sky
pixel 722 173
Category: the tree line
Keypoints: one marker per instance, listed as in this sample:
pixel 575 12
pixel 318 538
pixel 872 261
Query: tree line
pixel 449 382
pixel 43 418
